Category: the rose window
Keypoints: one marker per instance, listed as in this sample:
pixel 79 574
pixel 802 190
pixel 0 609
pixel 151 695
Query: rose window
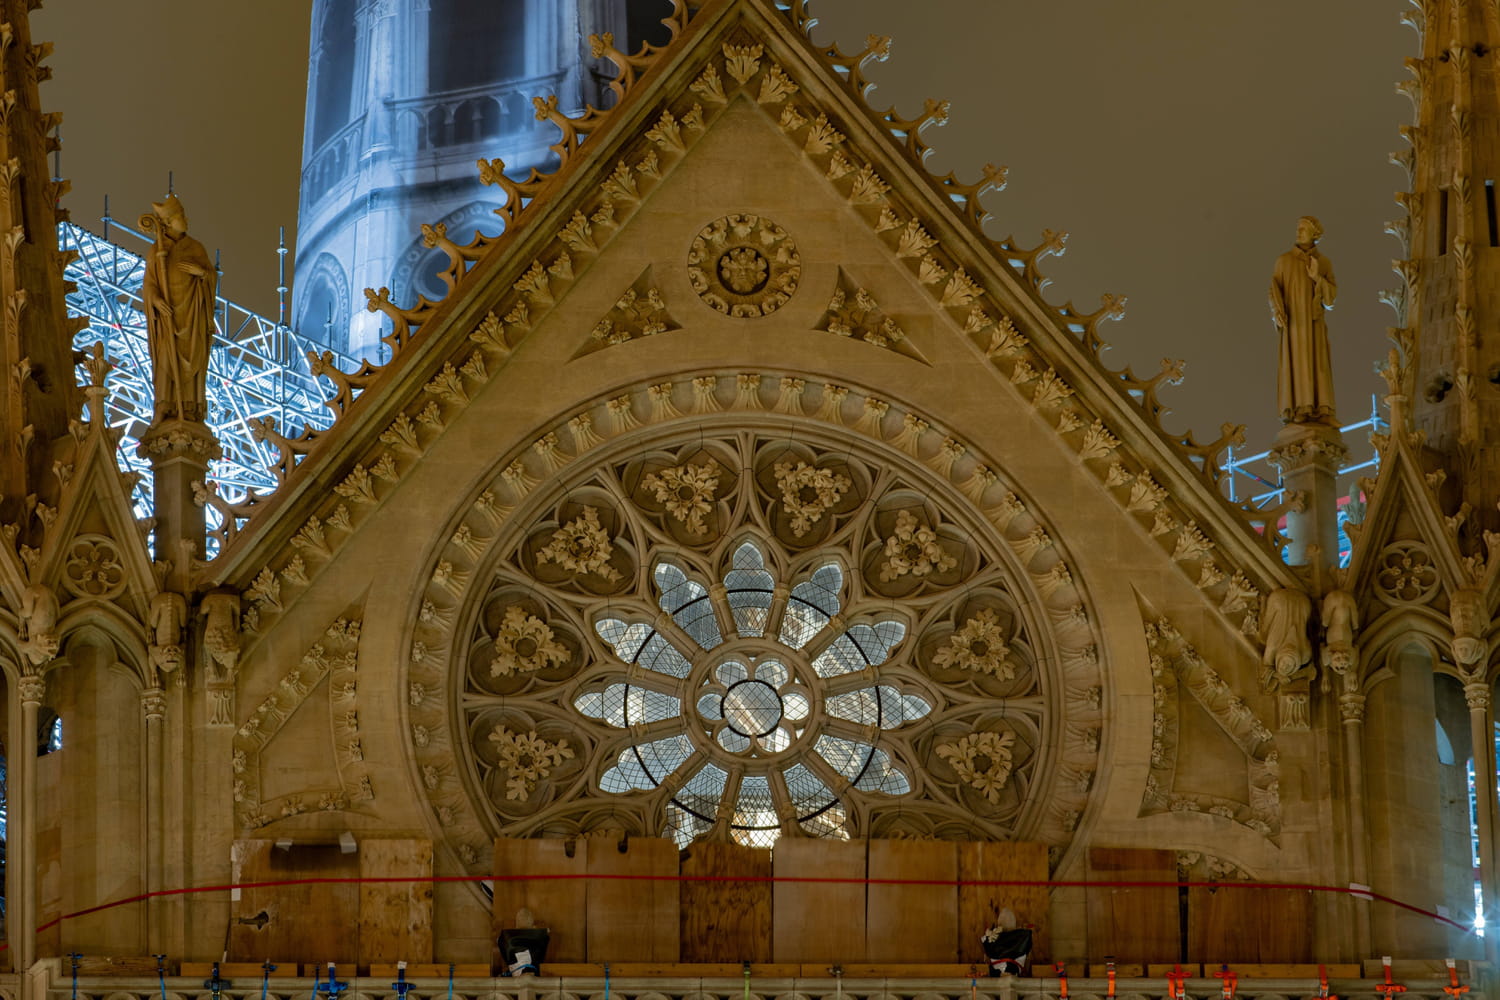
pixel 779 681
pixel 742 637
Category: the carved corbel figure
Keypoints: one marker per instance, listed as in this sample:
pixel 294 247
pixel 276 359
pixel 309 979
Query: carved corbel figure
pixel 39 613
pixel 221 634
pixel 1340 620
pixel 1471 620
pixel 1288 652
pixel 167 619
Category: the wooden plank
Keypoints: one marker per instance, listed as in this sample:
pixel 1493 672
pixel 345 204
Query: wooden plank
pixel 1133 924
pixel 901 970
pixel 820 923
pixel 978 905
pixel 627 918
pixel 1300 970
pixel 1250 925
pixel 395 918
pixel 699 970
pixel 116 965
pixel 721 919
pixel 432 970
pixel 555 903
pixel 239 970
pixel 1160 970
pixel 307 923
pixel 912 923
pixel 1131 970
pixel 1417 968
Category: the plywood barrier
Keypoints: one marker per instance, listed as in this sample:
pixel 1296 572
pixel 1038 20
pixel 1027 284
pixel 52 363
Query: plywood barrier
pixel 912 923
pixel 818 921
pixel 1250 925
pixel 1134 924
pixel 296 923
pixel 395 918
pixel 310 923
pixel 629 919
pixel 726 920
pixel 978 905
pixel 557 904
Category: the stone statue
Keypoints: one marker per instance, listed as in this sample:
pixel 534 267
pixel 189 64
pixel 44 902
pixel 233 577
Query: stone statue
pixel 1302 290
pixel 39 613
pixel 179 297
pixel 221 634
pixel 1471 619
pixel 1340 619
pixel 168 620
pixel 1288 651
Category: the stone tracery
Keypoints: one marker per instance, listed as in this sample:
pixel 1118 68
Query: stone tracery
pixel 700 651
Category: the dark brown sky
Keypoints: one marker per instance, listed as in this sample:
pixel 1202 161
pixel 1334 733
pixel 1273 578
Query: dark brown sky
pixel 1176 140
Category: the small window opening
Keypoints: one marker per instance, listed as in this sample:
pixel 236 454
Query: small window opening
pixel 49 734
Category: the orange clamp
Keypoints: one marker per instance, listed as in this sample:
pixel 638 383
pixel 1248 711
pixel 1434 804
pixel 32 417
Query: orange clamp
pixel 1323 993
pixel 1230 980
pixel 1175 979
pixel 1110 974
pixel 1062 981
pixel 1453 989
pixel 1389 988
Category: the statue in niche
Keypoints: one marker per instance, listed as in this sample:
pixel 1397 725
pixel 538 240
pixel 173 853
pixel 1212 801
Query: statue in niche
pixel 168 621
pixel 1302 292
pixel 1470 617
pixel 179 298
pixel 1288 652
pixel 221 634
pixel 1340 619
pixel 39 613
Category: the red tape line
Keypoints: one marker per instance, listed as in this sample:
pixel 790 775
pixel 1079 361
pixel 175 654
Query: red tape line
pixel 959 883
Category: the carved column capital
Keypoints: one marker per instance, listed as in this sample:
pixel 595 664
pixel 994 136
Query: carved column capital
pixel 1352 707
pixel 1477 694
pixel 32 689
pixel 154 704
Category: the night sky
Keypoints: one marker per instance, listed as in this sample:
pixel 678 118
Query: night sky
pixel 1177 141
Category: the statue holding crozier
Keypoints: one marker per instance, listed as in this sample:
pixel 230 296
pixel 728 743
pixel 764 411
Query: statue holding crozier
pixel 179 297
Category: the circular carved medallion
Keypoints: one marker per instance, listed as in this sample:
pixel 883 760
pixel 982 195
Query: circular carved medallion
pixel 744 265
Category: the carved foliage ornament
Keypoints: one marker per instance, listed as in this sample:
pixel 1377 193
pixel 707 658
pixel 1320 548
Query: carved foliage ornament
pixel 744 265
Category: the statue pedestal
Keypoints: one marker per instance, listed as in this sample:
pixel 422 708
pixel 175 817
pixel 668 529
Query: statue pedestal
pixel 179 452
pixel 1308 457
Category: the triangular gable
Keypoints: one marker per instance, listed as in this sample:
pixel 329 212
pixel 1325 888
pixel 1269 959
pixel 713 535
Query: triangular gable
pixel 94 548
pixel 732 54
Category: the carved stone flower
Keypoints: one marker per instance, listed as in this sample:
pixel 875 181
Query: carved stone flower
pixel 582 546
pixel 687 492
pixel 981 760
pixel 913 549
pixel 980 646
pixel 524 645
pixel 807 493
pixel 93 569
pixel 528 758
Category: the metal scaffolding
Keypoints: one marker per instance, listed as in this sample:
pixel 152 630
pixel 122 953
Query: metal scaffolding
pixel 257 367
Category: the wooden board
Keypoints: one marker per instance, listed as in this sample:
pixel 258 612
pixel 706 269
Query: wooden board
pixel 721 920
pixel 430 970
pixel 557 904
pixel 628 919
pixel 1250 925
pixel 1133 924
pixel 978 904
pixel 295 923
pixel 818 922
pixel 912 923
pixel 243 971
pixel 395 918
